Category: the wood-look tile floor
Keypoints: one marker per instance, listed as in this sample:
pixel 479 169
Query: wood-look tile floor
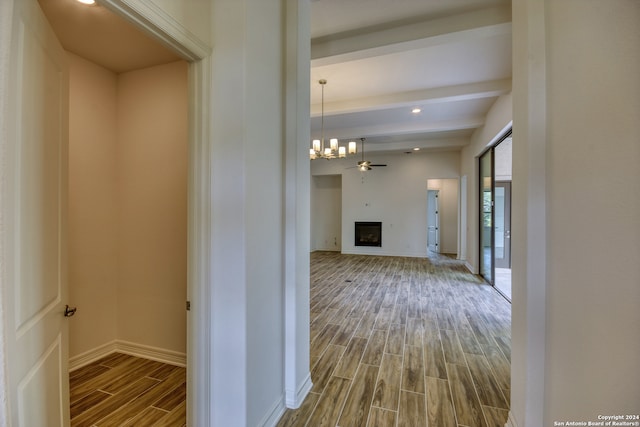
pixel 123 390
pixel 404 342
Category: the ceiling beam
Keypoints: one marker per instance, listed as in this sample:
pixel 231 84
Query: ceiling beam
pixel 383 41
pixel 462 92
pixel 403 128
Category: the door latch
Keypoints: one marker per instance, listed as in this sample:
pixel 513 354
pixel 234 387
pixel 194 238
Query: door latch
pixel 69 311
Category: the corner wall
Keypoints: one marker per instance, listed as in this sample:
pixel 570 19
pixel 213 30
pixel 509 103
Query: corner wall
pixel 93 200
pixel 152 206
pixel 127 208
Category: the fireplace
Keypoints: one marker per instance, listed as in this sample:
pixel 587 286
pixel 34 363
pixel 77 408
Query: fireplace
pixel 369 234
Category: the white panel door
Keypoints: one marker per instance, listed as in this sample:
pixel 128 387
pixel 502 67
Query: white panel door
pixel 34 205
pixel 433 221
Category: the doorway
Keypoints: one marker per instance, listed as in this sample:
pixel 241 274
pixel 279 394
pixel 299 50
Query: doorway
pixel 433 221
pixel 495 215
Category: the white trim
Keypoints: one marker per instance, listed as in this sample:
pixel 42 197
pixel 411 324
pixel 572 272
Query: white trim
pixel 153 353
pixel 511 422
pixel 150 18
pixel 92 355
pixel 273 416
pixel 139 350
pixel 295 399
pixel 470 267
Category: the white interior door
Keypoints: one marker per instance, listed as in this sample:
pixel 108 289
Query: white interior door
pixel 433 221
pixel 35 204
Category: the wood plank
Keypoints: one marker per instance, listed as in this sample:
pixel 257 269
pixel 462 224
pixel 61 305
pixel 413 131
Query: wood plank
pixel 358 403
pixel 330 404
pixel 104 408
pixel 87 402
pixel 321 373
pixel 387 390
pixel 435 365
pixel 319 345
pixel 440 411
pixel 375 348
pixel 415 330
pixel 451 347
pixel 175 418
pixel 395 341
pixel 379 417
pixel 489 391
pixel 149 416
pixel 413 370
pixel 98 382
pixel 412 411
pixel 463 395
pixel 146 399
pixel 495 417
pixel 298 417
pixel 348 364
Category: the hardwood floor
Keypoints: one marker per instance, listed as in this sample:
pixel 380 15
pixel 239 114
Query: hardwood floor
pixel 404 342
pixel 123 390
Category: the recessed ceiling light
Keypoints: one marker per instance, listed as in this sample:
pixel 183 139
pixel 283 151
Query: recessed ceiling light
pixel 416 149
pixel 86 1
pixel 416 110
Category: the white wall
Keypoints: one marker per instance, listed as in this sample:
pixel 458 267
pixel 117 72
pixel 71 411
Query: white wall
pixel 575 327
pixel 593 158
pixel 375 196
pixel 326 213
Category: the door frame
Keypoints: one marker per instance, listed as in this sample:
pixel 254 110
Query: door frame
pixel 153 21
pixel 436 194
pixel 507 224
pixel 491 152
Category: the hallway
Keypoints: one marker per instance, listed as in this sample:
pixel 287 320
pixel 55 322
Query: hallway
pixel 404 342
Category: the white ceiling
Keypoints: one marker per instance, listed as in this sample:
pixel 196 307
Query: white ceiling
pixel 381 58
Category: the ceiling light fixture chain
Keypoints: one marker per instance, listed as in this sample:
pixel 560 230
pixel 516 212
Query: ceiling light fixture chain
pixel 334 150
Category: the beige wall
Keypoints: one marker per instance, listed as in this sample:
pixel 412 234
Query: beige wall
pixel 127 208
pixel 93 243
pixel 152 209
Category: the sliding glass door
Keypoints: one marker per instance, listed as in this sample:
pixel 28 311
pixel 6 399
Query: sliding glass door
pixel 486 216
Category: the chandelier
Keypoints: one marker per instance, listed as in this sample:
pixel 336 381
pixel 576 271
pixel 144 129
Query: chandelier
pixel 334 150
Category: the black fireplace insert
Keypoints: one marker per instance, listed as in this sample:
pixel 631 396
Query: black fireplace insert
pixel 368 234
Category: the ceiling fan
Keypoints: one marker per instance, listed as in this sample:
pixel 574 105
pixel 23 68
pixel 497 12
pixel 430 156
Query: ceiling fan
pixel 366 165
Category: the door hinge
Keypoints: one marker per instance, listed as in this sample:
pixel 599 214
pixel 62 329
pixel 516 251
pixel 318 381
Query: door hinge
pixel 188 305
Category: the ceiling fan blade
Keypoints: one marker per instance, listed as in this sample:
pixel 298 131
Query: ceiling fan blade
pixel 378 165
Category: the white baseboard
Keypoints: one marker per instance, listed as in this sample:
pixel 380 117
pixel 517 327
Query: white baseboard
pixel 92 355
pixel 294 399
pixel 154 353
pixel 273 416
pixel 469 267
pixel 511 422
pixel 139 350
